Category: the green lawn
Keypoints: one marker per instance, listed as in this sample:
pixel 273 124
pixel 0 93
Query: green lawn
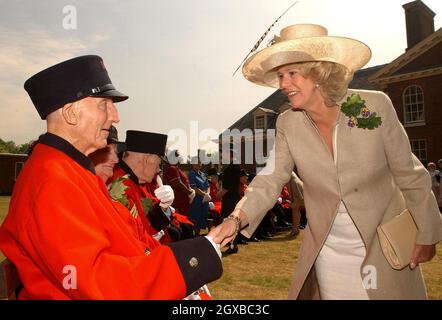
pixel 263 271
pixel 4 203
pixel 272 264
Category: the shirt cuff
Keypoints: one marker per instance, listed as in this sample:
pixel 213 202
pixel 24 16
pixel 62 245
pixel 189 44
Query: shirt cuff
pixel 167 212
pixel 216 246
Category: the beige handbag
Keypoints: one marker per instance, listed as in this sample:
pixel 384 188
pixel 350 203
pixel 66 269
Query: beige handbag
pixel 398 239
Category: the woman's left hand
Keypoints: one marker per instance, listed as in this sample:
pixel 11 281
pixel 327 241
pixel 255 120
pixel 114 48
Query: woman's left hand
pixel 422 253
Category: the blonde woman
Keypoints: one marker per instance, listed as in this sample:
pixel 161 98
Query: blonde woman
pixel 354 158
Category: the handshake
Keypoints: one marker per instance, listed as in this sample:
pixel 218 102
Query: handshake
pixel 229 229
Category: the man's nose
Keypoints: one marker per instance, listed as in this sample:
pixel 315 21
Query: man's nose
pixel 114 158
pixel 113 113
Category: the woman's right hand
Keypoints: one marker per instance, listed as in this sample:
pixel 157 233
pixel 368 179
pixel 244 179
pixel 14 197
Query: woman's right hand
pixel 225 232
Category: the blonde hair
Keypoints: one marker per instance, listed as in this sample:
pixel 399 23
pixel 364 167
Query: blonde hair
pixel 332 78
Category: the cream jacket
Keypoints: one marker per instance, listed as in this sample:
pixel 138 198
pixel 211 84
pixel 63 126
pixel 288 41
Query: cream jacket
pixel 376 176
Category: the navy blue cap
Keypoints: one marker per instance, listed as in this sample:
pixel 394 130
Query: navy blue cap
pixel 146 142
pixel 69 81
pixel 113 136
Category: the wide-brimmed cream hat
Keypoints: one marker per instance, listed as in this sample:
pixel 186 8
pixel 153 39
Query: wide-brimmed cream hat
pixel 304 43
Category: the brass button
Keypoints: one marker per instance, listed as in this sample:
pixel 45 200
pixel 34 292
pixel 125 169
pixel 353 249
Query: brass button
pixel 193 262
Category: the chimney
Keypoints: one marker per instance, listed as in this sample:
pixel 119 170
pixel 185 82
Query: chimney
pixel 419 20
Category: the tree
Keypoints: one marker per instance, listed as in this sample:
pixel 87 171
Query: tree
pixel 11 147
pixel 24 148
pixel 8 146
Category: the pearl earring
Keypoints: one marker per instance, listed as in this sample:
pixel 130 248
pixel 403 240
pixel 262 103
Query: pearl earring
pixel 317 85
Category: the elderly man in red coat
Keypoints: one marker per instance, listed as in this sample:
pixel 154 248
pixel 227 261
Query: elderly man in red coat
pixel 63 232
pixel 141 164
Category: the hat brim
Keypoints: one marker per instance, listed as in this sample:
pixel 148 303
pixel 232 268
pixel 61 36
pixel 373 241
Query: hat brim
pixel 260 67
pixel 115 95
pixel 114 141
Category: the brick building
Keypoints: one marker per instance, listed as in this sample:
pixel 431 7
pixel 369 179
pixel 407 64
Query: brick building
pixel 413 81
pixel 10 167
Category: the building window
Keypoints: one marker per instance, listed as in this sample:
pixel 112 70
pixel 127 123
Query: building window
pixel 413 105
pixel 260 122
pixel 419 148
pixel 18 167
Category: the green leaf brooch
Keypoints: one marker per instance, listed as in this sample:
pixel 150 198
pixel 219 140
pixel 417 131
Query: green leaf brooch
pixel 117 192
pixel 358 113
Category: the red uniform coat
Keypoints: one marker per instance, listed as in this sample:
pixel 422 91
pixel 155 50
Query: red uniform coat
pixel 61 216
pixel 285 195
pixel 181 201
pixel 242 189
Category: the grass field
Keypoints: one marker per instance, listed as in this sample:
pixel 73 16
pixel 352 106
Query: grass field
pixel 263 270
pixel 4 203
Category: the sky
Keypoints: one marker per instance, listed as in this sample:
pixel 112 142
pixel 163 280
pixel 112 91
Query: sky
pixel 174 58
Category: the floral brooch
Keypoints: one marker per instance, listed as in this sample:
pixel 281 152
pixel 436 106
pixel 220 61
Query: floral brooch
pixel 117 190
pixel 117 193
pixel 358 113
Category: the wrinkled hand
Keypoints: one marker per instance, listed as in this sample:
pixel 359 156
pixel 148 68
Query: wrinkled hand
pixel 422 253
pixel 224 233
pixel 192 196
pixel 207 197
pixel 165 195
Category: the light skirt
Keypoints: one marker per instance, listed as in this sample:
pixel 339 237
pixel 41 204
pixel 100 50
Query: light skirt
pixel 339 262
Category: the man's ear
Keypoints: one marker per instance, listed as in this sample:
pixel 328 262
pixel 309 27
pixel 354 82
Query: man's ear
pixel 70 113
